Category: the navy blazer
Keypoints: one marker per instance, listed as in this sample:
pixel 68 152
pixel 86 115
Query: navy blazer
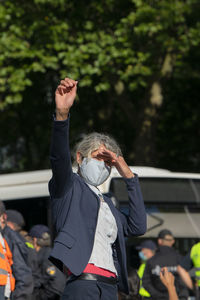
pixel 75 210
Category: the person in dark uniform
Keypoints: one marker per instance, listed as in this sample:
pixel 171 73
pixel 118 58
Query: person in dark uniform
pixel 166 256
pixel 21 271
pixel 7 280
pixel 52 280
pixel 16 222
pixel 147 249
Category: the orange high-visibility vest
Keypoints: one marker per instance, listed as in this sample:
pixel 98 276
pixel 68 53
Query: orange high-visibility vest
pixel 5 265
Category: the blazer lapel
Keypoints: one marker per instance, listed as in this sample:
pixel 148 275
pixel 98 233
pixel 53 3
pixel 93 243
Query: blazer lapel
pixel 114 212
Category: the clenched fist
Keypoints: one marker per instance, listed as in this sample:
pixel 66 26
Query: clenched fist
pixel 64 97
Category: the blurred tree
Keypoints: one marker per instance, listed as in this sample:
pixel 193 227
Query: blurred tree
pixel 135 62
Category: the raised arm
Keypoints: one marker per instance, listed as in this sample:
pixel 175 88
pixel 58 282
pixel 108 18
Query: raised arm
pixel 60 153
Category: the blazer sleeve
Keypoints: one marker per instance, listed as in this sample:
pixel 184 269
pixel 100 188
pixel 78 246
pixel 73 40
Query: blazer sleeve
pixel 135 222
pixel 60 158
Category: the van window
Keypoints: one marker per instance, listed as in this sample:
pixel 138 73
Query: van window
pixel 161 190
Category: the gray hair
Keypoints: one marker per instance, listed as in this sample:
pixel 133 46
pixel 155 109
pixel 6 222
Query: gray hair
pixel 92 141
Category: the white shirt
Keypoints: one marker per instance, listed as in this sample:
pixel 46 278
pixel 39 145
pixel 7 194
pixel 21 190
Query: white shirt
pixel 105 236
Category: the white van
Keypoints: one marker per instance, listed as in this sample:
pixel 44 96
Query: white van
pixel 172 199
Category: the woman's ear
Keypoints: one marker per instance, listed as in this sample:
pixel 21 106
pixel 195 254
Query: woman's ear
pixel 78 158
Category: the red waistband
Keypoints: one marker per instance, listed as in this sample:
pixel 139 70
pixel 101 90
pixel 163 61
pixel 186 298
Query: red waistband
pixel 91 268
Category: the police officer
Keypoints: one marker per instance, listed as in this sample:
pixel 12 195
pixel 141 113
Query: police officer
pixel 53 280
pixel 166 256
pixel 7 280
pixel 16 222
pixel 192 260
pixel 146 249
pixel 21 271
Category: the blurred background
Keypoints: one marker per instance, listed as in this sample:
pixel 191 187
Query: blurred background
pixel 137 62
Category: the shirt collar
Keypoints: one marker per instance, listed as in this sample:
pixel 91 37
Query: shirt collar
pixel 94 189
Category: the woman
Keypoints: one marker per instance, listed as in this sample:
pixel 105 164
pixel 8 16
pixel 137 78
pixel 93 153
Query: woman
pixel 90 241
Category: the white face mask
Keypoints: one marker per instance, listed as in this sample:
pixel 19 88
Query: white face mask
pixel 94 172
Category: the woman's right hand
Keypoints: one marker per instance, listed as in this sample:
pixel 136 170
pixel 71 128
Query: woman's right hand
pixel 64 97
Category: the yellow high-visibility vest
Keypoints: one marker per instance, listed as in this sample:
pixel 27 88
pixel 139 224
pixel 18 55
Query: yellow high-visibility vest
pixel 140 272
pixel 195 257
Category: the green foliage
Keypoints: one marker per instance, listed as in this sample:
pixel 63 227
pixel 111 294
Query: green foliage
pixel 116 49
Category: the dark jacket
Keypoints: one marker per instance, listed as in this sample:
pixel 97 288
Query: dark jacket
pixel 21 271
pixel 164 257
pixel 53 280
pixel 75 210
pixel 34 265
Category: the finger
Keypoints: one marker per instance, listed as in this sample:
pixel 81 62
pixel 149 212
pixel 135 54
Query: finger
pixel 66 83
pixel 104 157
pixel 110 156
pixel 114 161
pixel 103 149
pixel 162 269
pixel 161 275
pixel 70 81
pixel 165 269
pixel 59 90
pixel 108 161
pixel 107 152
pixel 65 89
